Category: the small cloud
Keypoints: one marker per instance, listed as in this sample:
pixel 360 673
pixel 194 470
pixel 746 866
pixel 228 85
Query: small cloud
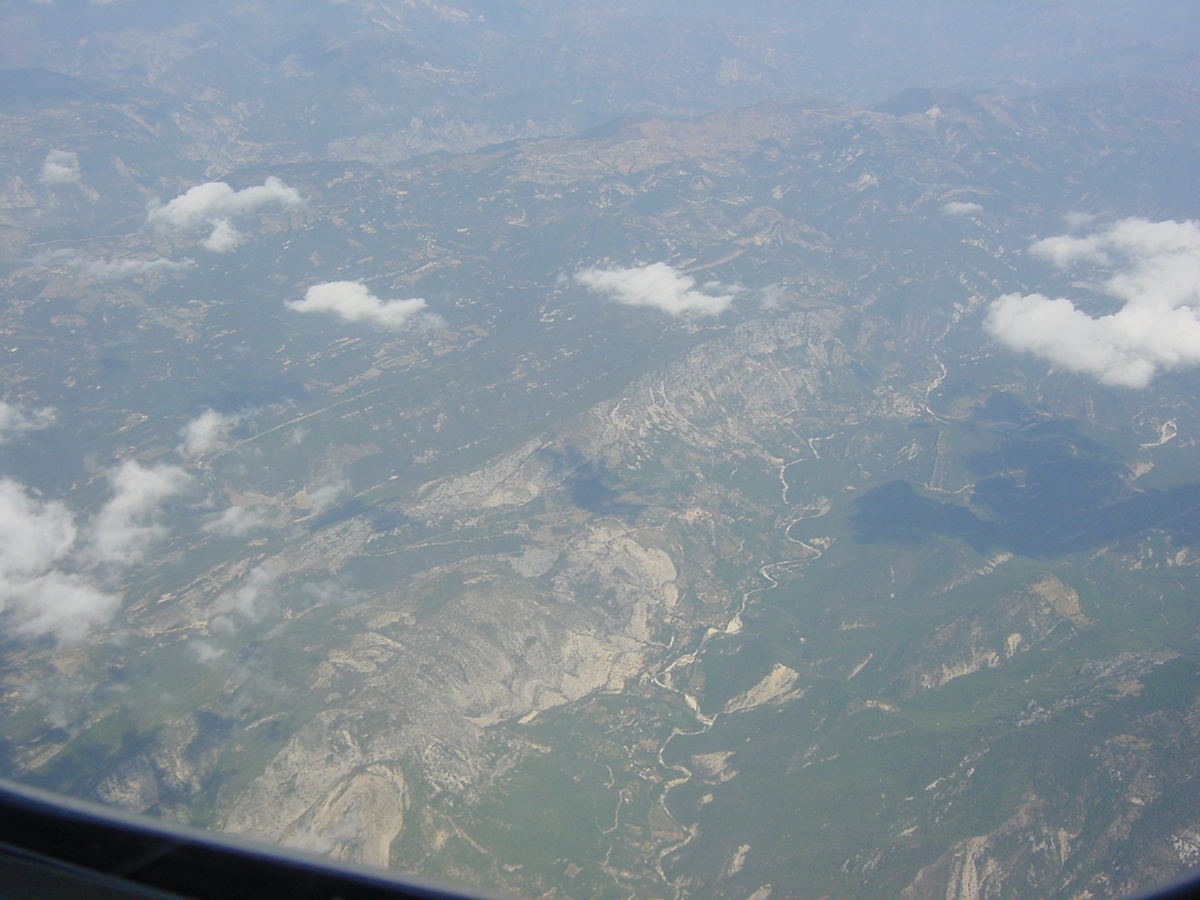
pixel 236 521
pixel 1066 250
pixel 659 286
pixel 204 652
pixel 960 208
pixel 772 296
pixel 214 205
pixel 325 495
pixel 206 433
pixel 428 321
pixel 247 600
pixel 1153 267
pixel 16 420
pixel 329 593
pixel 352 302
pixel 60 167
pixel 128 525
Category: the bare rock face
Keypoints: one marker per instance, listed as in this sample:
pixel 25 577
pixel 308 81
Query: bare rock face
pixel 981 867
pixel 358 820
pixel 1040 612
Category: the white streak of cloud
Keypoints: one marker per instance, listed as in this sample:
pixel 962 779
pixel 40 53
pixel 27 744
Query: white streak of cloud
pixel 352 302
pixel 659 286
pixel 214 205
pixel 110 270
pixel 128 525
pixel 326 495
pixel 236 521
pixel 1153 267
pixel 960 208
pixel 117 269
pixel 60 167
pixel 16 420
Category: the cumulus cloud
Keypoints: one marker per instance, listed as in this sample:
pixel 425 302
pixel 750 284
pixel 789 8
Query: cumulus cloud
pixel 34 534
pixel 65 605
pixel 1152 267
pixel 53 572
pixel 207 433
pixel 223 238
pixel 960 208
pixel 659 286
pixel 16 420
pixel 128 525
pixel 36 537
pixel 214 205
pixel 60 167
pixel 352 302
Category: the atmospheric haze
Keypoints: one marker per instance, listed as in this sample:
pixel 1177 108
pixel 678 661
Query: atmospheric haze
pixel 606 450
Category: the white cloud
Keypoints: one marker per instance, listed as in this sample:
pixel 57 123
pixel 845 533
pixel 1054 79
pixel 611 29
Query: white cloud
pixel 214 205
pixel 326 494
pixel 206 433
pixel 1153 267
pixel 224 237
pixel 204 652
pixel 16 420
pixel 49 583
pixel 432 322
pixel 352 302
pixel 65 605
pixel 247 600
pixel 659 286
pixel 128 525
pixel 60 167
pixel 236 521
pixel 960 208
pixel 772 296
pixel 116 269
pixel 34 534
pixel 36 537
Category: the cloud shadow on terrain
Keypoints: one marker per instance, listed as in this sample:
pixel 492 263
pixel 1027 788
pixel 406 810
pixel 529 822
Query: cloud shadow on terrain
pixel 590 484
pixel 1059 507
